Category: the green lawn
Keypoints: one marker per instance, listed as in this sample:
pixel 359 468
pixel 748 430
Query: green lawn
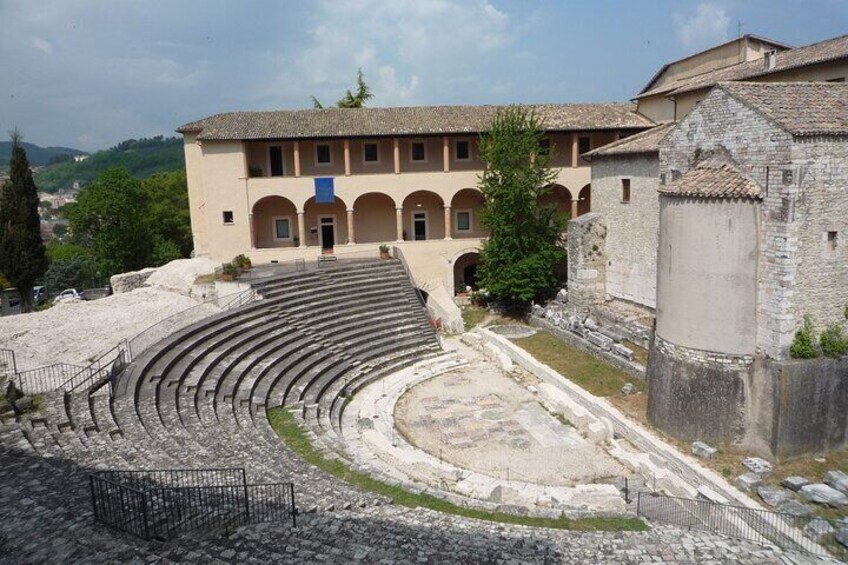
pixel 594 375
pixel 294 437
pixel 473 316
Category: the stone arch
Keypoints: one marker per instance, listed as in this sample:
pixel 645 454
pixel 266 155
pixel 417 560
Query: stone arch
pixel 274 223
pixel 313 214
pixel 374 218
pixel 466 208
pixel 465 270
pixel 584 203
pixel 432 207
pixel 560 197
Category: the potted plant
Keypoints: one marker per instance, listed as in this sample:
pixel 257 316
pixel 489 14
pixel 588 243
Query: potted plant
pixel 384 252
pixel 242 262
pixel 229 272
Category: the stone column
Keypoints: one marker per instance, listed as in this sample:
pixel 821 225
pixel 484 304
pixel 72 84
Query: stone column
pixel 351 239
pixel 297 158
pixel 396 147
pixel 573 208
pixel 448 229
pixel 574 150
pixel 347 157
pixel 301 228
pixel 399 223
pixel 252 231
pixel 446 153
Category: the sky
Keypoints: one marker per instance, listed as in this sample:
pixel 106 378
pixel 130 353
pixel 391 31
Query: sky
pixel 88 74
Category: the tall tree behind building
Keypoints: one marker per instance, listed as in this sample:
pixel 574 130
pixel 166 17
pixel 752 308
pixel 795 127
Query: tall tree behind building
pixel 23 259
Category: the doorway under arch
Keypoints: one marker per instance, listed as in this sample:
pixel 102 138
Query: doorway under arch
pixel 465 271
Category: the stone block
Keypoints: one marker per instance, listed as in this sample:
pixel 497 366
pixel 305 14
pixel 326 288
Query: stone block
pixel 562 295
pixel 702 450
pixel 587 274
pixel 820 493
pixel 125 282
pixel 599 340
pixel 748 481
pixel 795 508
pixel 758 466
pixel 794 482
pixel 817 528
pixel 628 389
pixel 774 496
pixel 841 535
pixel 707 493
pixel 612 334
pixel 622 351
pixel 590 324
pixel 837 480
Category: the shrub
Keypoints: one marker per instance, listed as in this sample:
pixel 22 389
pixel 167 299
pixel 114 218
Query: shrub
pixel 242 261
pixel 229 269
pixel 834 342
pixel 384 248
pixel 803 346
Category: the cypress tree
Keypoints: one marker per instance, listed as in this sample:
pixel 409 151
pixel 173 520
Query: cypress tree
pixel 23 259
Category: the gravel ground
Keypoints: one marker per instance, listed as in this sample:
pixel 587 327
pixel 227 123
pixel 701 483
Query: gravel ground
pixel 75 332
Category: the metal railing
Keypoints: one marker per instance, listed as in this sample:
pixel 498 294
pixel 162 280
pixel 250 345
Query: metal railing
pixel 7 362
pixel 165 504
pixel 45 379
pixel 786 531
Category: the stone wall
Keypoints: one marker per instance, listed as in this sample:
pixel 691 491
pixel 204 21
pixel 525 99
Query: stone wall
pixel 126 282
pixel 631 243
pixel 586 262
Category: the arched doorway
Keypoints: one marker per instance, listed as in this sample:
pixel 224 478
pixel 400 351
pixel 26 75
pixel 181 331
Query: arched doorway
pixel 374 218
pixel 465 271
pixel 274 223
pixel 560 198
pixel 326 224
pixel 466 206
pixel 584 205
pixel 423 216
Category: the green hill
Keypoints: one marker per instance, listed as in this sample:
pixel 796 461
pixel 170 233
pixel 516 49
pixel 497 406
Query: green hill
pixel 37 155
pixel 141 157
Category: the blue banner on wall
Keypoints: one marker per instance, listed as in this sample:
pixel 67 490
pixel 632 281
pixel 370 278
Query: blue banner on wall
pixel 324 191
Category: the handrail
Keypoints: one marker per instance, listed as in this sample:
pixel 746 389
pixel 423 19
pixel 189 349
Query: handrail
pixel 44 379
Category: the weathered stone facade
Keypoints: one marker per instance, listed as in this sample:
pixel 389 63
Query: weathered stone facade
pixel 631 244
pixel 586 262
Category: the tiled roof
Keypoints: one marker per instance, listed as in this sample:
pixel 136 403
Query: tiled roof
pixel 422 120
pixel 642 142
pixel 821 52
pixel 801 108
pixel 713 181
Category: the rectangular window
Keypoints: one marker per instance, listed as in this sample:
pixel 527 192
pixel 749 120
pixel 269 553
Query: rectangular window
pixel 463 220
pixel 282 228
pixel 322 154
pixel 370 153
pixel 228 216
pixel 584 145
pixel 544 147
pixel 463 151
pixel 831 239
pixel 418 151
pixel 625 190
pixel 275 153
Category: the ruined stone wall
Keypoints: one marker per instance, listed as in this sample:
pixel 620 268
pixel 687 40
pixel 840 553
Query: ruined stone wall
pixel 586 262
pixel 631 243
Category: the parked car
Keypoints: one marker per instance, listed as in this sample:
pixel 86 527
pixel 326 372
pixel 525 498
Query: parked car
pixel 39 295
pixel 69 295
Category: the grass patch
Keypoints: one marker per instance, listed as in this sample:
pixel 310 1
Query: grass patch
pixel 594 375
pixel 640 354
pixel 473 316
pixel 286 427
pixel 205 279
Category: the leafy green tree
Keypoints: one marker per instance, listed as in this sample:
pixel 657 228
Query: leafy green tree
pixel 517 262
pixel 804 344
pixel 22 256
pixel 110 219
pixel 351 100
pixel 168 216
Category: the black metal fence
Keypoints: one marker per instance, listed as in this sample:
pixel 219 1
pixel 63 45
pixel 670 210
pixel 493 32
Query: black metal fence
pixel 7 362
pixel 809 534
pixel 165 504
pixel 45 379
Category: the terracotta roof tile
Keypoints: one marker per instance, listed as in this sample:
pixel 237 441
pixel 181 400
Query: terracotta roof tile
pixel 422 120
pixel 642 142
pixel 801 108
pixel 713 181
pixel 821 52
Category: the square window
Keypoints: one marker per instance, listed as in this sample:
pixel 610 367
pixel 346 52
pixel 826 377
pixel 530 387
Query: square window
pixel 419 151
pixel 625 191
pixel 370 153
pixel 463 220
pixel 228 216
pixel 322 154
pixel 463 151
pixel 275 154
pixel 282 228
pixel 584 145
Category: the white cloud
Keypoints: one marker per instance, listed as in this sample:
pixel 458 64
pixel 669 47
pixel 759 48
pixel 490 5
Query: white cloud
pixel 42 45
pixel 707 26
